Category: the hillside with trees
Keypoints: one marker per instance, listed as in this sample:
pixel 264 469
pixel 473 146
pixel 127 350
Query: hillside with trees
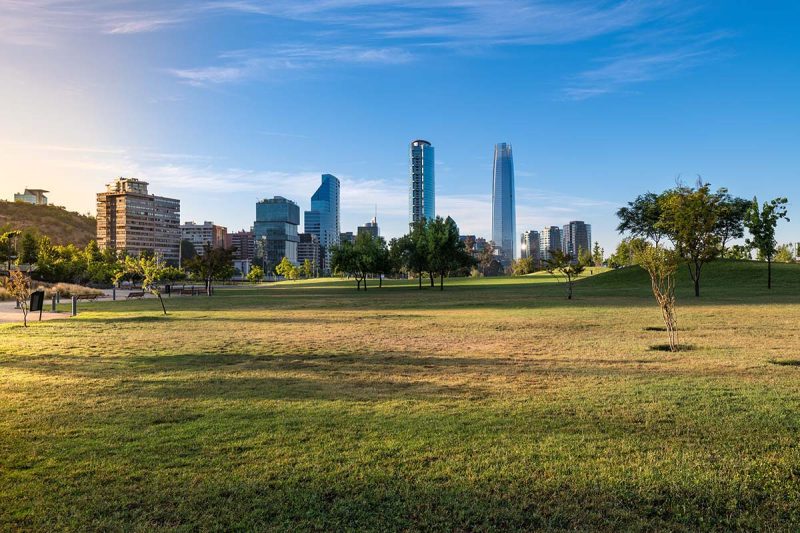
pixel 61 226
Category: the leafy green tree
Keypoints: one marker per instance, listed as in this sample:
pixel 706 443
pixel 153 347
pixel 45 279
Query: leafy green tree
pixel 446 252
pixel 215 263
pixel 383 262
pixel 188 251
pixel 563 264
pixel 689 217
pixel 783 254
pixel 761 223
pixel 92 252
pixel 597 255
pixel 8 247
pixel 661 264
pixel 147 268
pixel 286 269
pixel 308 269
pixel 585 257
pixel 522 266
pixel 28 249
pixel 731 212
pixel 411 251
pixel 256 274
pixel 741 252
pixel 641 218
pixel 624 255
pixel 343 261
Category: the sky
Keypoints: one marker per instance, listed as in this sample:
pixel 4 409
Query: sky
pixel 224 102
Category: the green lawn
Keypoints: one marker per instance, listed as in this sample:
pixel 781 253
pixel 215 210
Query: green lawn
pixel 493 404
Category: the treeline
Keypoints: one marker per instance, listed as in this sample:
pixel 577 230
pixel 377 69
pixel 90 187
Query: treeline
pixel 431 249
pixel 699 225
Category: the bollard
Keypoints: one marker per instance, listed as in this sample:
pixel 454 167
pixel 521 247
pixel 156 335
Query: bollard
pixel 74 306
pixel 53 305
pixel 113 294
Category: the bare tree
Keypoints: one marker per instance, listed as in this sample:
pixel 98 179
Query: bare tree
pixel 662 264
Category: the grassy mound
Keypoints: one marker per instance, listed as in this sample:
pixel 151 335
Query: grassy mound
pixel 62 226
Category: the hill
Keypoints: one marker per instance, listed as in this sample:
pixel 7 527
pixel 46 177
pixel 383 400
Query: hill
pixel 62 226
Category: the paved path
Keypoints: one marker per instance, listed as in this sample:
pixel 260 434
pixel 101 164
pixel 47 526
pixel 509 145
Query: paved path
pixel 8 313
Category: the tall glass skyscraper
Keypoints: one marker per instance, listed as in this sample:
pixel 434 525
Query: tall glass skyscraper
pixel 323 218
pixel 577 238
pixel 422 189
pixel 275 231
pixel 504 215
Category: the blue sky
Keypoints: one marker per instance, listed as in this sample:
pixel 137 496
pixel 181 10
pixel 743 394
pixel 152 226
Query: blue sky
pixel 220 103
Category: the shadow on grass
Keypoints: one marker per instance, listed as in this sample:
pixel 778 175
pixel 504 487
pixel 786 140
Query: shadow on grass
pixel 785 362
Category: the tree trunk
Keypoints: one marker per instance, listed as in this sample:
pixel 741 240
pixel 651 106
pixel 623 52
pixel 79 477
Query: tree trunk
pixel 420 281
pixel 162 303
pixel 365 282
pixel 441 282
pixel 433 283
pixel 695 275
pixel 769 272
pixel 380 281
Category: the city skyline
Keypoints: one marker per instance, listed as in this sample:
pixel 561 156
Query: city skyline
pixel 609 99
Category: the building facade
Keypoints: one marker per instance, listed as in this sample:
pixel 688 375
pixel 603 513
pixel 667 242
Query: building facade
pixel 504 231
pixel 323 220
pixel 577 238
pixel 32 196
pixel 243 244
pixel 347 236
pixel 422 188
pixel 132 220
pixel 275 231
pixel 309 248
pixel 530 245
pixel 204 234
pixel 370 228
pixel 549 241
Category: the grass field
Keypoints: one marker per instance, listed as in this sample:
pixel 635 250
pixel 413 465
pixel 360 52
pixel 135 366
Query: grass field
pixel 493 404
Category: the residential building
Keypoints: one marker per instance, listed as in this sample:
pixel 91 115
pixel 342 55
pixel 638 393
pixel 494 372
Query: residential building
pixel 132 220
pixel 549 242
pixel 323 220
pixel 347 236
pixel 370 228
pixel 530 245
pixel 203 234
pixel 504 231
pixel 310 248
pixel 244 244
pixel 422 188
pixel 275 231
pixel 577 238
pixel 32 196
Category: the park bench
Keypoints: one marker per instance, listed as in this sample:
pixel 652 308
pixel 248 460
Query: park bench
pixel 136 294
pixel 90 297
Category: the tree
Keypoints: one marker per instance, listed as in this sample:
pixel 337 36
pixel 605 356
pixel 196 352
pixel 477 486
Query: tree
pixel 689 217
pixel 597 255
pixel 256 274
pixel 28 250
pixel 641 218
pixel 662 264
pixel 287 269
pixel 761 224
pixel 585 258
pixel 522 266
pixel 8 247
pixel 383 261
pixel 624 255
pixel 308 268
pixel 414 250
pixel 783 254
pixel 487 259
pixel 188 251
pixel 19 285
pixel 215 263
pixel 446 252
pixel 562 263
pixel 149 270
pixel 343 261
pixel 731 213
pixel 738 251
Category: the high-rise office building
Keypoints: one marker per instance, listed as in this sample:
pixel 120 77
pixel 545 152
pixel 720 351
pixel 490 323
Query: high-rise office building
pixel 243 244
pixel 309 249
pixel 370 228
pixel 549 242
pixel 201 234
pixel 422 189
pixel 577 238
pixel 504 231
pixel 347 236
pixel 323 218
pixel 132 220
pixel 275 231
pixel 530 245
